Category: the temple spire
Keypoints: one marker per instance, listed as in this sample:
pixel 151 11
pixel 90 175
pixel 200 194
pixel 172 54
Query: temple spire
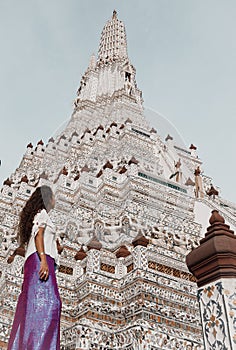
pixel 113 44
pixel 110 78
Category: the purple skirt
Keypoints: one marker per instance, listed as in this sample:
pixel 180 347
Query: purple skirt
pixel 36 324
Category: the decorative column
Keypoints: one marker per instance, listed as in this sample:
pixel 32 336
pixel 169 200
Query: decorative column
pixel 213 264
pixel 121 254
pixel 93 259
pixel 139 252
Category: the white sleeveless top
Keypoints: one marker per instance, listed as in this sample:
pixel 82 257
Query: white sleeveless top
pixel 42 219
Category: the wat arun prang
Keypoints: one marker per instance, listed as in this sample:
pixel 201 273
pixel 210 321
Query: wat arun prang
pixel 127 213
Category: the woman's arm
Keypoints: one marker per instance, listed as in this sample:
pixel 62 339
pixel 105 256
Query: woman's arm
pixel 39 243
pixel 59 247
pixel 18 251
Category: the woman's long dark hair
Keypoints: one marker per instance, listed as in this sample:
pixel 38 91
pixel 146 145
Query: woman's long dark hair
pixel 40 199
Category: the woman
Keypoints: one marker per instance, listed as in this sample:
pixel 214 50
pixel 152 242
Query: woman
pixel 36 325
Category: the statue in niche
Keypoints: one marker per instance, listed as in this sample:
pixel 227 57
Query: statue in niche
pixel 178 172
pixel 128 84
pixel 212 192
pixel 126 226
pixel 99 229
pixel 179 241
pixel 198 183
pixel 82 84
pixel 161 239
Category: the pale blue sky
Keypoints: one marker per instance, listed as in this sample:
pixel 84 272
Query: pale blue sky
pixel 184 52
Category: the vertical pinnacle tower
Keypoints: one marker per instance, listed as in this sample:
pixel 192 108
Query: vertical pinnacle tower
pixel 108 90
pixel 113 43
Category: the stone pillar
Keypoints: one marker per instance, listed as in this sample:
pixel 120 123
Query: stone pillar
pixel 213 264
pixel 139 252
pixel 93 259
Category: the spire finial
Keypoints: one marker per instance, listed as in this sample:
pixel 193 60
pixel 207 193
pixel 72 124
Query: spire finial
pixel 216 217
pixel 114 14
